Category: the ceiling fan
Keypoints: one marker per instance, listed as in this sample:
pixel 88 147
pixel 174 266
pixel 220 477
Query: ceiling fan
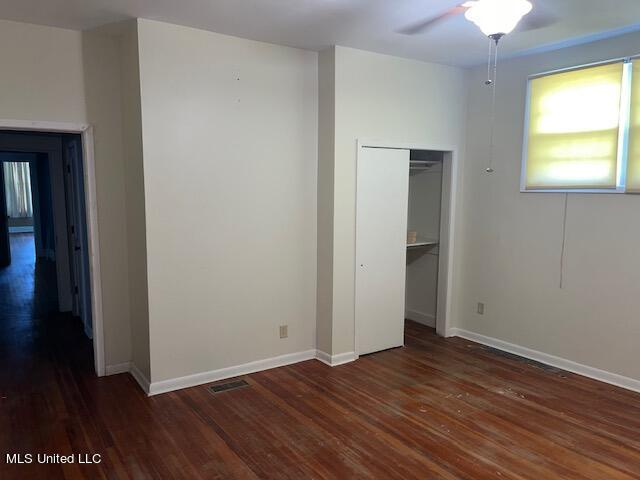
pixel 496 18
pixel 483 14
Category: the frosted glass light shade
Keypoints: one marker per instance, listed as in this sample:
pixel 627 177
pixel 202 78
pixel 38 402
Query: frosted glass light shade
pixel 497 16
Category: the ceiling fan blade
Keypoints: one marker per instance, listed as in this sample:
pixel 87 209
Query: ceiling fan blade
pixel 540 17
pixel 536 22
pixel 425 25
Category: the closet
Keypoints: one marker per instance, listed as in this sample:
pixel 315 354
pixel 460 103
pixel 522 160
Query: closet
pixel 423 236
pixel 398 210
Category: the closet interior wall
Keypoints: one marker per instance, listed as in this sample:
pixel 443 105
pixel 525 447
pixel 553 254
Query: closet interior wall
pixel 425 193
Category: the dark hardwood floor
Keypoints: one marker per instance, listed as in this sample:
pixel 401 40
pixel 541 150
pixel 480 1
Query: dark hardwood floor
pixel 437 408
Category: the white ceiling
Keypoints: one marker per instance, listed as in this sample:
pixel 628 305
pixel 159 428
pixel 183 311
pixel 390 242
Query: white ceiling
pixel 365 24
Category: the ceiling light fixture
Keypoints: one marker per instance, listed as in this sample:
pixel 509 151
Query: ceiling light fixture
pixel 495 18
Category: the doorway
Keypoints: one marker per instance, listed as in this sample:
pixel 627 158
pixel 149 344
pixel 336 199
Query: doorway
pixel 45 277
pixel 404 229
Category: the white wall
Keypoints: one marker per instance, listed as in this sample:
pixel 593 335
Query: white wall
pixel 230 149
pixel 326 156
pixel 513 240
pixel 101 60
pixel 43 70
pixel 127 35
pixel 388 99
pixel 45 77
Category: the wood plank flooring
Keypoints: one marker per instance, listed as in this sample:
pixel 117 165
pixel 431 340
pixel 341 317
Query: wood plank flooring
pixel 437 408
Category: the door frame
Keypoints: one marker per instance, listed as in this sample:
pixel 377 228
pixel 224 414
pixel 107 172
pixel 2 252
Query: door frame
pixel 449 213
pixel 91 203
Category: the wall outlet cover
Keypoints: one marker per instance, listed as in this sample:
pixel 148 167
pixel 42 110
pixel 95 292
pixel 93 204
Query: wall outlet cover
pixel 284 331
pixel 480 308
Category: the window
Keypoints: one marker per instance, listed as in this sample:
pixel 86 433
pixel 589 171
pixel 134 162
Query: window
pixel 17 184
pixel 583 130
pixel 633 167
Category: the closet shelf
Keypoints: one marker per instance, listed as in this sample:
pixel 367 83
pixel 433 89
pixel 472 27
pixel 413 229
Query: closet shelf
pixel 423 242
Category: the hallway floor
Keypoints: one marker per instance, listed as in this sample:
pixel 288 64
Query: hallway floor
pixel 27 289
pixel 29 319
pixel 39 348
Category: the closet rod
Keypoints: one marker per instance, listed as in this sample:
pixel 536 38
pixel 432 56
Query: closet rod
pixel 424 162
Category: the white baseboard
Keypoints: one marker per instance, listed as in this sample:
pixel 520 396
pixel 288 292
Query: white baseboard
pixel 118 368
pixel 133 370
pixel 324 357
pixel 172 384
pixel 21 229
pixel 140 377
pixel 214 375
pixel 422 318
pixel 335 360
pixel 558 362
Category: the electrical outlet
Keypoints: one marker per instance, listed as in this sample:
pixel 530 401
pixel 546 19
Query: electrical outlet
pixel 480 308
pixel 284 331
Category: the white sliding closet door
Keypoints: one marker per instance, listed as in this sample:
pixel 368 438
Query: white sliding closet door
pixel 381 248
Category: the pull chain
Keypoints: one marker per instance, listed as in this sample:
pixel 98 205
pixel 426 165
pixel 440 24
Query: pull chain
pixel 564 239
pixel 491 83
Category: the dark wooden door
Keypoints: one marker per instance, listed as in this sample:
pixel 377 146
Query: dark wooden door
pixel 5 247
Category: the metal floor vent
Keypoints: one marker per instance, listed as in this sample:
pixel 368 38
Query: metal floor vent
pixel 225 387
pixel 518 358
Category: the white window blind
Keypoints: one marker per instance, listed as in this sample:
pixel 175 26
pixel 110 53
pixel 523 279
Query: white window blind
pixel 573 130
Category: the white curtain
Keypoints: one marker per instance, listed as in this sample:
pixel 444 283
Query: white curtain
pixel 17 184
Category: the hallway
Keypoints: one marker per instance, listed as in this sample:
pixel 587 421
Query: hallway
pixel 28 297
pixel 37 344
pixel 29 320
